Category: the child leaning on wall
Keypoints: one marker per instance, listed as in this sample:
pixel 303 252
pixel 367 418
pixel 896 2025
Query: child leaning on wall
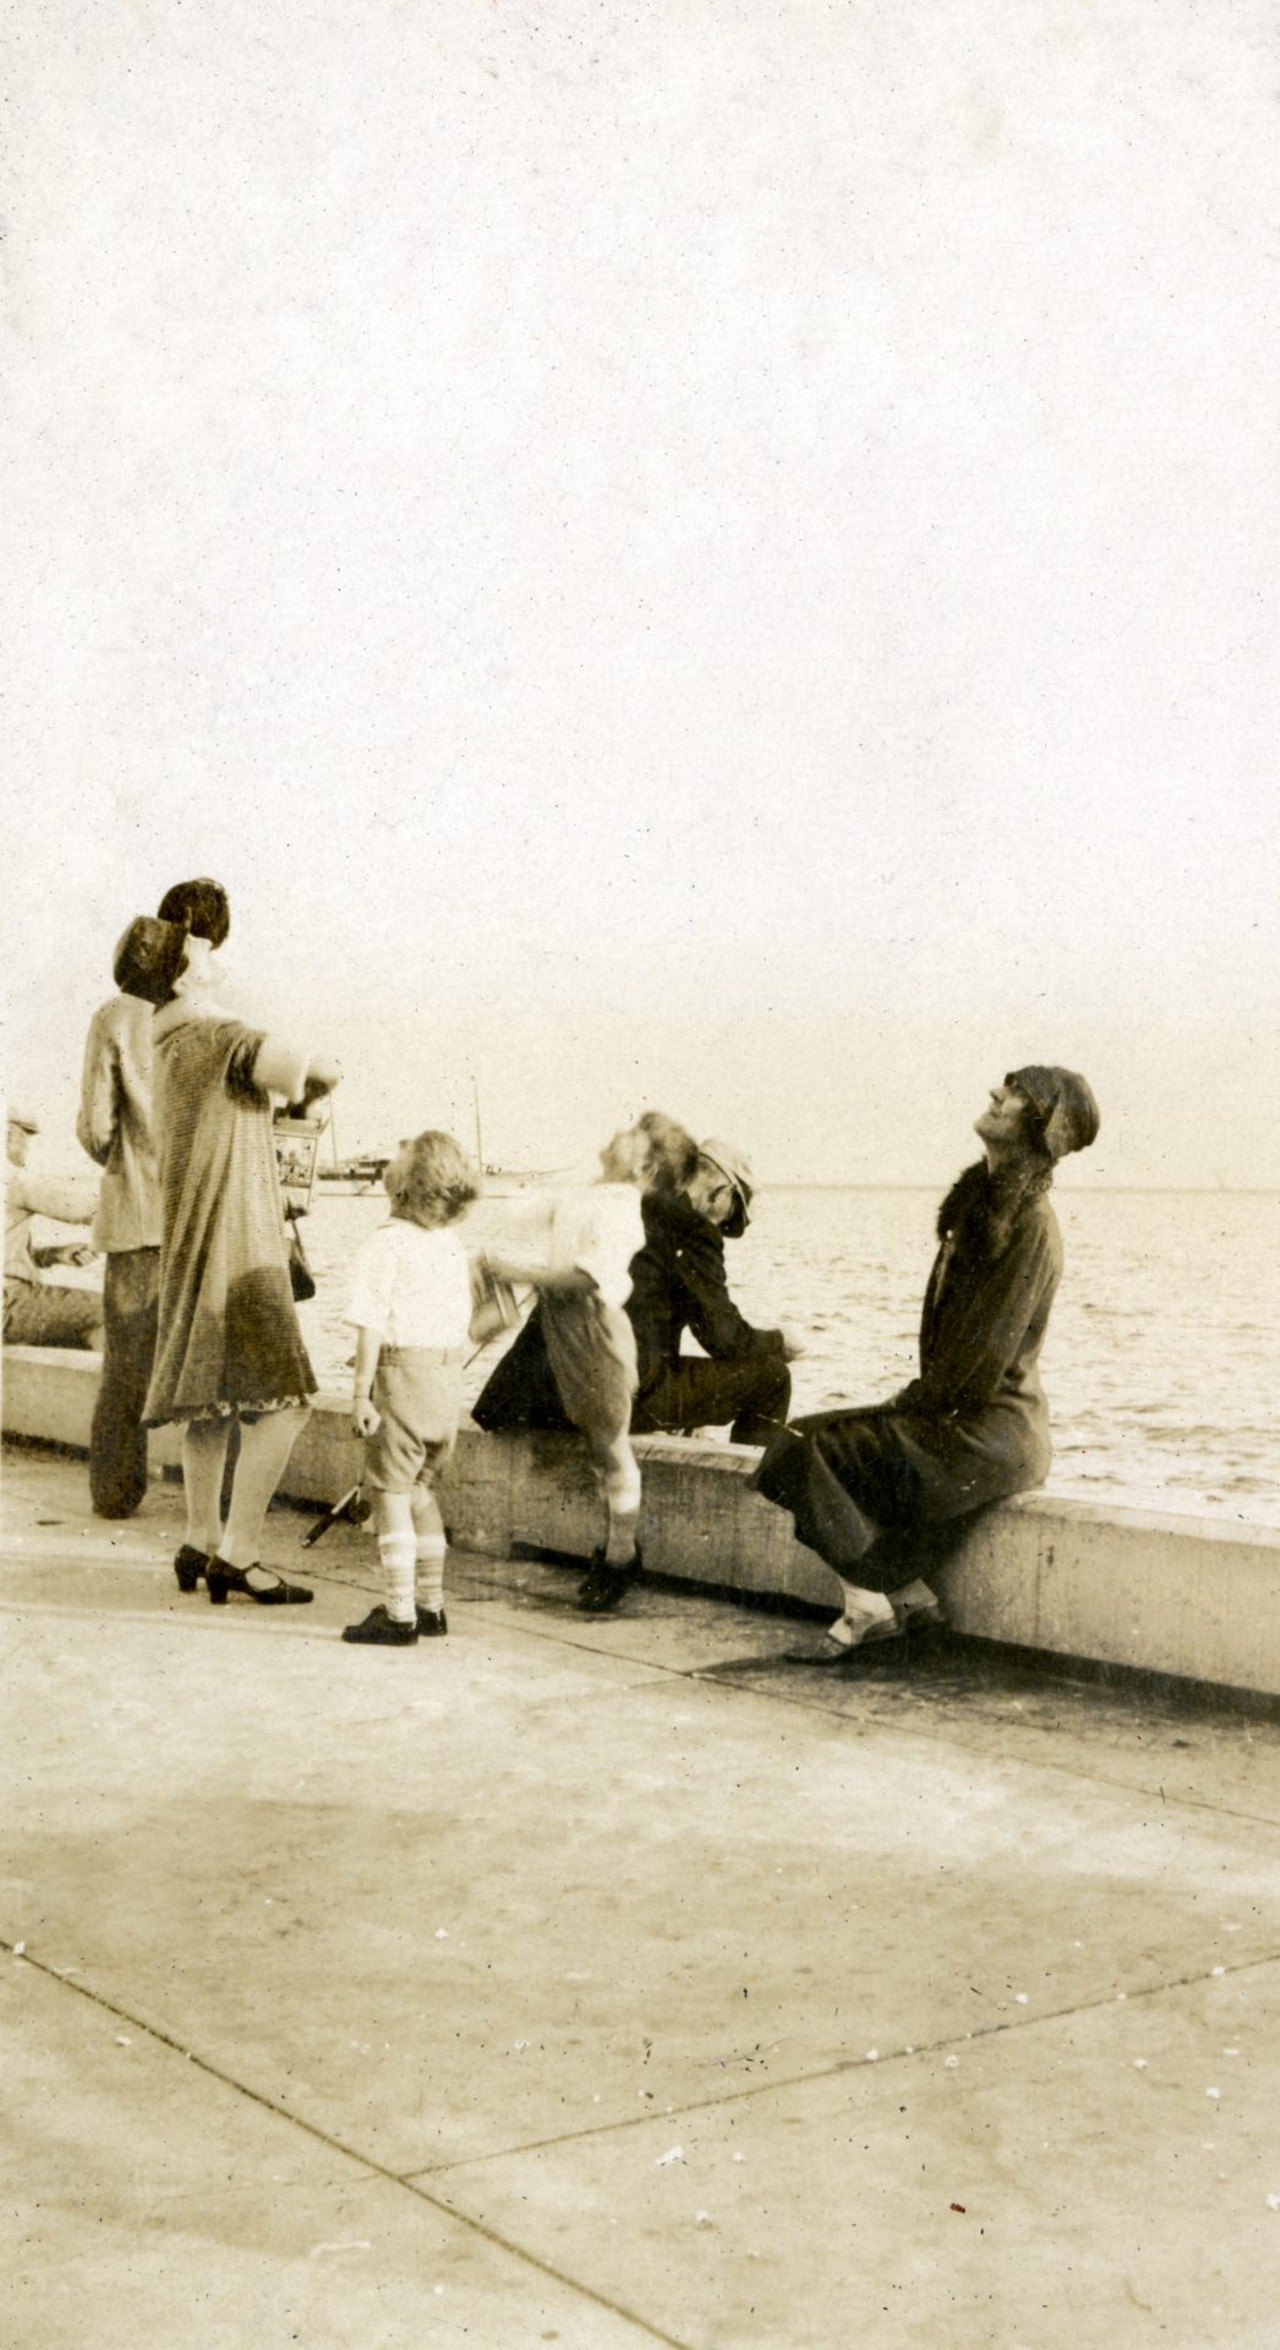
pixel 411 1306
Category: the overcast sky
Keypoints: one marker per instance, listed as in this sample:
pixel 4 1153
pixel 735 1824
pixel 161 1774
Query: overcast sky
pixel 719 553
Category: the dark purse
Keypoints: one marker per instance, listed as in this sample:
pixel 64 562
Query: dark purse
pixel 302 1280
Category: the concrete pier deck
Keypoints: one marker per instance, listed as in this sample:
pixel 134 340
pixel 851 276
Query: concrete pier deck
pixel 611 1982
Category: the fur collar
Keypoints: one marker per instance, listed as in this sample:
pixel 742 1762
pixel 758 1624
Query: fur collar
pixel 981 1210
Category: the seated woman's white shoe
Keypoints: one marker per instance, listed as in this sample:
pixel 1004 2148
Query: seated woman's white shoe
pixel 849 1635
pixel 917 1606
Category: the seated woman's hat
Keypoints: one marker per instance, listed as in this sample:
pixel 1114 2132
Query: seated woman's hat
pixel 735 1166
pixel 149 957
pixel 1063 1102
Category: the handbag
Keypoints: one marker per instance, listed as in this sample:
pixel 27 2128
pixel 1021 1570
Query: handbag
pixel 302 1280
pixel 493 1305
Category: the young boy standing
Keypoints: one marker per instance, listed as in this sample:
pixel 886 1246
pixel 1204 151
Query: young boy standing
pixel 411 1306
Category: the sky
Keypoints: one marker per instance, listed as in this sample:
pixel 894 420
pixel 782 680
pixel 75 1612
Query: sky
pixel 700 554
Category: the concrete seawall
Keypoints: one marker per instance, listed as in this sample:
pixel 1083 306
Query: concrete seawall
pixel 1194 1598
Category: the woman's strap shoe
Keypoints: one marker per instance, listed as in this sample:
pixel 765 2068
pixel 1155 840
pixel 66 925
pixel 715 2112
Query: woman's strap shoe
pixel 874 1632
pixel 271 1591
pixel 432 1623
pixel 189 1566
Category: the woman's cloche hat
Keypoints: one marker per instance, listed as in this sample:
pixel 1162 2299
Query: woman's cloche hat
pixel 1065 1111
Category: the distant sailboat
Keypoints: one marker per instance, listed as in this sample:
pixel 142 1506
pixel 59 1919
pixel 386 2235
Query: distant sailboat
pixel 499 1179
pixel 346 1178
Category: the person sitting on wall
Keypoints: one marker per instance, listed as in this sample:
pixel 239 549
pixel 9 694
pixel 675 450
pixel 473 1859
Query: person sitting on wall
pixel 867 1489
pixel 678 1283
pixel 39 1312
pixel 573 1365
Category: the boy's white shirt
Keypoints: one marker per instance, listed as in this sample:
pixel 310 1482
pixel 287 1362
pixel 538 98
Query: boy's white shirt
pixel 412 1286
pixel 595 1226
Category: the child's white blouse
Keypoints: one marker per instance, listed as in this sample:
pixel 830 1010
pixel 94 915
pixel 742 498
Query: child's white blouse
pixel 596 1226
pixel 412 1286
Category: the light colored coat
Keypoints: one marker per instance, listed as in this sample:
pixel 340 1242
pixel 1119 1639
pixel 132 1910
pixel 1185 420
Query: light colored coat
pixel 116 1125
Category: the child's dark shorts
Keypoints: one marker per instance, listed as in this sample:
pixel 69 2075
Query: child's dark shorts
pixel 418 1391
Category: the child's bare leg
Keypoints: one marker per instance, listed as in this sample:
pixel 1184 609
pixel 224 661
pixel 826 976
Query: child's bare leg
pixel 429 1548
pixel 619 1473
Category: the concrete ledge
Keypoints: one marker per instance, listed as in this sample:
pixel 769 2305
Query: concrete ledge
pixel 1194 1598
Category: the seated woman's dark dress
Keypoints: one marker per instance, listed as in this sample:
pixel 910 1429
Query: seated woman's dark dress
pixel 973 1428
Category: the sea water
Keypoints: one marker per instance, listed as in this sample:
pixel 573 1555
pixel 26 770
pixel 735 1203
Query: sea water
pixel 1162 1362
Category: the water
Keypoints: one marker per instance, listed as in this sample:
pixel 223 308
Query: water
pixel 1162 1363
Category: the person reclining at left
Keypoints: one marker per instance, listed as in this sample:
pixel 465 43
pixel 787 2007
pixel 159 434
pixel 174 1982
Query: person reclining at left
pixel 39 1312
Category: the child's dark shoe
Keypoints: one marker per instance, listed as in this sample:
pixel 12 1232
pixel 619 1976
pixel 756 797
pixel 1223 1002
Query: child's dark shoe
pixel 432 1623
pixel 604 1586
pixel 379 1630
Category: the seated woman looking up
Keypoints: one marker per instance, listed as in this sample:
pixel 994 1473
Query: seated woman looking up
pixel 974 1427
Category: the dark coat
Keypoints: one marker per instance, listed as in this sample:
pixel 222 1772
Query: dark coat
pixel 972 1428
pixel 678 1283
pixel 521 1391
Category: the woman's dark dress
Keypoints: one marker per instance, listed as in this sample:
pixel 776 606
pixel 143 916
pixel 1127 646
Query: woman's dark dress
pixel 973 1428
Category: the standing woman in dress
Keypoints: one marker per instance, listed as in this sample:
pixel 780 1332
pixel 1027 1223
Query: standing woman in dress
pixel 229 1346
pixel 974 1427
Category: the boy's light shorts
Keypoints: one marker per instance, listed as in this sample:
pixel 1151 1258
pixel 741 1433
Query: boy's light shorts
pixel 592 1349
pixel 418 1391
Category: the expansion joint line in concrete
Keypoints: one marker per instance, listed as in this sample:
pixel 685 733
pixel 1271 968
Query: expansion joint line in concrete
pixel 407 2181
pixel 842 2064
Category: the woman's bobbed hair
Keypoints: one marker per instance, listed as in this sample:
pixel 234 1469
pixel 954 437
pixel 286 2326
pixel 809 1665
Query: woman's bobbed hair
pixel 201 906
pixel 672 1154
pixel 431 1179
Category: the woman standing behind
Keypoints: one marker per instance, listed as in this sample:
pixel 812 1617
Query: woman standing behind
pixel 974 1427
pixel 229 1346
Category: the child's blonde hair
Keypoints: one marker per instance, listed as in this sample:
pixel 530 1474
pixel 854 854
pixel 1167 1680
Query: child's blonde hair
pixel 431 1180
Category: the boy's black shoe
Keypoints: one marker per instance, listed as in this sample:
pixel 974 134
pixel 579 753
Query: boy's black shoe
pixel 432 1623
pixel 604 1585
pixel 379 1630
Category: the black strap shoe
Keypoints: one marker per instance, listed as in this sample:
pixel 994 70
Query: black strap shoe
pixel 189 1566
pixel 270 1591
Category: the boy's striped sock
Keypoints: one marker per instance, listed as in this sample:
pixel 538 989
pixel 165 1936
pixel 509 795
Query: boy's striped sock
pixel 430 1559
pixel 396 1553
